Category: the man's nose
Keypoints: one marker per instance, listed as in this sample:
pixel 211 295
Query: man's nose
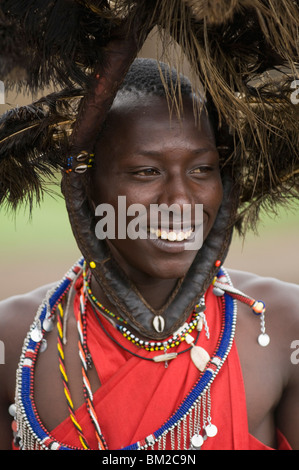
pixel 176 190
pixel 176 202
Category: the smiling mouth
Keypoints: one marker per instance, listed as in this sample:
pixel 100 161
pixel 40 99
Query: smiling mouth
pixel 171 235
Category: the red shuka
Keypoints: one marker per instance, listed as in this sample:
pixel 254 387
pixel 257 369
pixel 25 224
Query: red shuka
pixel 137 396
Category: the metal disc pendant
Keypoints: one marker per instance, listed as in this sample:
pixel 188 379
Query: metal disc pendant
pixel 43 345
pixel 211 430
pixel 12 410
pixel 196 441
pixel 218 292
pixel 263 340
pixel 36 334
pixel 48 325
pixel 159 323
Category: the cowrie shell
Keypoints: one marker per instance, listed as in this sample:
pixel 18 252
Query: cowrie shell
pixel 159 323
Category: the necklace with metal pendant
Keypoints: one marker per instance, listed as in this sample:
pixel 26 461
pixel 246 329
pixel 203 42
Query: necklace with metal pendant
pixel 165 357
pixel 158 321
pixel 199 355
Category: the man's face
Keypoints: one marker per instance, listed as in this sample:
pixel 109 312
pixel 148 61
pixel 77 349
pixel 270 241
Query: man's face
pixel 152 160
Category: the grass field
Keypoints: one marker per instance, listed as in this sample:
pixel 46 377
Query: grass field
pixel 39 250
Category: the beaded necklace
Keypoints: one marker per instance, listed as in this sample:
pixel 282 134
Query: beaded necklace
pixel 31 433
pixel 86 280
pixel 165 357
pixel 197 321
pixel 194 411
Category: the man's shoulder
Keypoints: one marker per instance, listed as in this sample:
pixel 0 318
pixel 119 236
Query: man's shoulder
pixel 16 315
pixel 17 312
pixel 281 298
pixel 270 374
pixel 275 287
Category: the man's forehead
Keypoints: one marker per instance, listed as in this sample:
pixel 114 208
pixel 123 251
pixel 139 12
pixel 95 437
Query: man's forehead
pixel 180 107
pixel 144 121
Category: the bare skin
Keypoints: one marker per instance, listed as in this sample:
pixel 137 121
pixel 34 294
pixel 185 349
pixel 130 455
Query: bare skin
pixel 271 380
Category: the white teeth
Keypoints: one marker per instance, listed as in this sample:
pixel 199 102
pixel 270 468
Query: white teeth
pixel 181 236
pixel 164 235
pixel 172 236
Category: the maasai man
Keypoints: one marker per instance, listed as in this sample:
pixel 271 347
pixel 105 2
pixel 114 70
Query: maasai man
pixel 148 342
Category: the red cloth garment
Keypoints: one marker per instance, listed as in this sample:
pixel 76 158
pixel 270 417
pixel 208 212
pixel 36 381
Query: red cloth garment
pixel 137 396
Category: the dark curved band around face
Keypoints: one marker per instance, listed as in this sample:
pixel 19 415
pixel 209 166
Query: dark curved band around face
pixel 117 286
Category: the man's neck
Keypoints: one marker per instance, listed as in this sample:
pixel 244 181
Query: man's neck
pixel 154 292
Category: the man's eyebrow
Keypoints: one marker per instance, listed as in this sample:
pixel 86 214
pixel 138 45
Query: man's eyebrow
pixel 158 153
pixel 204 150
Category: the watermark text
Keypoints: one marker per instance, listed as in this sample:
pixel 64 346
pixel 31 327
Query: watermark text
pixel 295 94
pixel 157 222
pixel 2 93
pixel 2 353
pixel 295 353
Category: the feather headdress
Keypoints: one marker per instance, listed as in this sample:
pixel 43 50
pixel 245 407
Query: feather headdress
pixel 34 144
pixel 244 53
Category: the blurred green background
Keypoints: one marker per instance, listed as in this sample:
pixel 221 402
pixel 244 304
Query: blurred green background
pixel 39 250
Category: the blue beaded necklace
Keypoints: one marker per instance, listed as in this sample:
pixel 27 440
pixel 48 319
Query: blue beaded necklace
pixel 31 432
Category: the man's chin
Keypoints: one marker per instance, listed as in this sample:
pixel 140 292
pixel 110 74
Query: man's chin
pixel 154 263
pixel 172 269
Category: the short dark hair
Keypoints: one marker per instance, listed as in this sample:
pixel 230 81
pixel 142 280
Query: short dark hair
pixel 150 77
pixel 144 76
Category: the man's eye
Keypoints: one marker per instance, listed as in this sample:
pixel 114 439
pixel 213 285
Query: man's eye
pixel 146 172
pixel 201 169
